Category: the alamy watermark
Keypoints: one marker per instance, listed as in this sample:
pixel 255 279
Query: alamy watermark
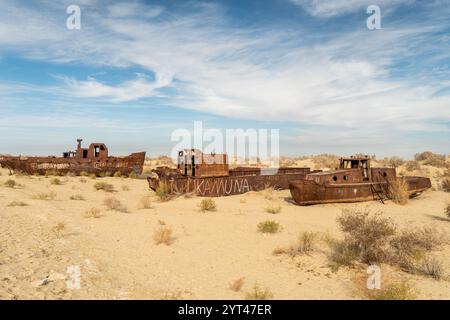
pixel 374 20
pixel 243 146
pixel 73 22
pixel 73 280
pixel 374 278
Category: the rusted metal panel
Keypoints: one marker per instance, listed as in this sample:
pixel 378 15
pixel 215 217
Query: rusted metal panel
pixel 360 183
pixel 92 160
pixel 208 175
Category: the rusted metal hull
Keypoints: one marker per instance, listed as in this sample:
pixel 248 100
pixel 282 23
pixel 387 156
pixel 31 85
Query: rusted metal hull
pixel 307 192
pixel 239 181
pixel 61 165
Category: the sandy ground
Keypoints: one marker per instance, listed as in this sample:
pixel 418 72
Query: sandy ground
pixel 118 259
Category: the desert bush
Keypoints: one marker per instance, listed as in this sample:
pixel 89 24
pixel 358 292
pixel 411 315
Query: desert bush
pixel 133 175
pixel 305 244
pixel 412 165
pixel 55 181
pixel 125 188
pixel 269 226
pixel 207 204
pixel 343 254
pixel 45 196
pixel 71 174
pixel 237 284
pixel 17 204
pixel 446 185
pixel 398 190
pixel 447 211
pixel 101 185
pixel 145 202
pixel 393 161
pixel 323 161
pixel 84 174
pixel 114 204
pixel 117 174
pixel 92 213
pixel 432 159
pixel 432 267
pixel 10 183
pixel 58 229
pixel 368 232
pixel 259 293
pixel 93 176
pixel 400 290
pixel 273 209
pixel 76 197
pixel 162 192
pixel 163 235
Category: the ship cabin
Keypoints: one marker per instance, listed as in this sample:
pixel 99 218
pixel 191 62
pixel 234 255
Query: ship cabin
pixel 195 163
pixel 355 169
pixel 96 151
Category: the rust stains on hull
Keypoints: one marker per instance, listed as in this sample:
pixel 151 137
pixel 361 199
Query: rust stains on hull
pixel 228 185
pixel 92 160
pixel 354 181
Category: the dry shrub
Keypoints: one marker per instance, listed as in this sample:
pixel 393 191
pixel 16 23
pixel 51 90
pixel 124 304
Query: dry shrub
pixel 398 190
pixel 237 284
pixel 412 165
pixel 259 293
pixel 399 290
pixel 269 226
pixel 368 232
pixel 326 161
pixel 343 254
pixel 393 161
pixel 10 183
pixel 163 235
pixel 432 159
pixel 163 192
pixel 145 202
pixel 107 187
pixel 447 211
pixel 93 176
pixel 117 174
pixel 133 175
pixel 58 229
pixel 92 213
pixel 17 204
pixel 84 174
pixel 55 181
pixel 446 185
pixel 306 243
pixel 125 188
pixel 273 209
pixel 45 196
pixel 114 204
pixel 77 197
pixel 207 204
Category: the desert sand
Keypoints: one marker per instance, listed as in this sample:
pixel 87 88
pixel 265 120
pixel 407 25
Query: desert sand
pixel 118 258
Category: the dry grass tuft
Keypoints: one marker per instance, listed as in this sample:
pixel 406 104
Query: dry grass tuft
pixel 55 181
pixel 273 209
pixel 162 192
pixel 305 244
pixel 207 204
pixel 77 197
pixel 101 185
pixel 145 202
pixel 446 185
pixel 17 204
pixel 10 183
pixel 114 204
pixel 117 174
pixel 237 284
pixel 133 175
pixel 447 210
pixel 399 191
pixel 45 196
pixel 399 290
pixel 58 229
pixel 259 293
pixel 269 226
pixel 163 235
pixel 92 213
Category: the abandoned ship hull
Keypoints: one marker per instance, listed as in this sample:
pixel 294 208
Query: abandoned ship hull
pixel 228 185
pixel 307 192
pixel 42 165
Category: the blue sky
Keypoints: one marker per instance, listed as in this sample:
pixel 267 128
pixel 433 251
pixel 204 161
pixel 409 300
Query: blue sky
pixel 138 70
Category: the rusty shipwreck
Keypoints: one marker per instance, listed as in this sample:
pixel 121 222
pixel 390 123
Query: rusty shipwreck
pixel 355 180
pixel 92 160
pixel 209 175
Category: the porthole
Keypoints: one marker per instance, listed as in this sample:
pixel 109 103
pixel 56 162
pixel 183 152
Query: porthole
pixel 334 178
pixel 346 178
pixel 384 174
